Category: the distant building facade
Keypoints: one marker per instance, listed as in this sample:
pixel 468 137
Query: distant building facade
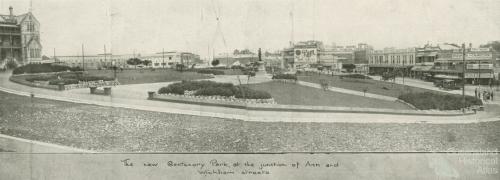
pixel 158 60
pixel 168 59
pixel 20 38
pixel 95 61
pixel 390 59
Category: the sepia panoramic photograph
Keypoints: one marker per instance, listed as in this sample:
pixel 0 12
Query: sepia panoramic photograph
pixel 407 84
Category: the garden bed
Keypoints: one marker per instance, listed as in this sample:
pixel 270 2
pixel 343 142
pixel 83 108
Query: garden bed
pixel 428 100
pixel 210 88
pixel 43 68
pixel 70 80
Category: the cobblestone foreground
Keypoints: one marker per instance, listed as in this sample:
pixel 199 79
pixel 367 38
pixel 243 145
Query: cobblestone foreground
pixel 110 129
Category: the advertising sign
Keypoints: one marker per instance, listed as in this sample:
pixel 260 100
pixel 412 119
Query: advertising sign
pixel 476 75
pixel 473 56
pixel 306 55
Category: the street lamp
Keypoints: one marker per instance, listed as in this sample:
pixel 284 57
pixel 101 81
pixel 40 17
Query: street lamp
pixel 114 68
pixel 463 71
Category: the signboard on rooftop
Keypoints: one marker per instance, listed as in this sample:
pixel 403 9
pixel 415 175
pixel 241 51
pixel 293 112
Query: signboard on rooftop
pixel 307 55
pixel 473 56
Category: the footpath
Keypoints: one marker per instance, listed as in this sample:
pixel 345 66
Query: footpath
pixel 469 89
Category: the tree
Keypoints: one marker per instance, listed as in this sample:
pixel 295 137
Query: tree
pixel 11 64
pixel 236 52
pixel 179 67
pixel 134 62
pixel 495 45
pixel 146 62
pixel 348 67
pixel 215 62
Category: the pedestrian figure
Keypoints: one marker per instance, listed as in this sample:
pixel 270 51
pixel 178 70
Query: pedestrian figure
pixel 475 91
pixel 492 95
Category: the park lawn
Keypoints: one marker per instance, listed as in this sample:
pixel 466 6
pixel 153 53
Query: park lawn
pixel 141 76
pixel 126 130
pixel 294 94
pixel 372 86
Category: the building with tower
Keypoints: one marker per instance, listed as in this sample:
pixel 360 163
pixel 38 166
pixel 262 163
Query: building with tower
pixel 19 39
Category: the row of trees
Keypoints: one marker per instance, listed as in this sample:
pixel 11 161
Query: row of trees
pixel 136 61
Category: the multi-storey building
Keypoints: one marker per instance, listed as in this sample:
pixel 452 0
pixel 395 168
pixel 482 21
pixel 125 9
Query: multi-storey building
pixel 19 39
pixel 168 59
pixel 95 61
pixel 158 60
pixel 307 53
pixel 479 64
pixel 391 59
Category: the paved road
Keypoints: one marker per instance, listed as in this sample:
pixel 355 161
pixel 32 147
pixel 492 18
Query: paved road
pixel 134 97
pixel 469 89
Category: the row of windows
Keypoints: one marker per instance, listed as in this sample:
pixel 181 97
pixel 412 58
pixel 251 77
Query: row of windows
pixel 393 59
pixel 30 26
pixel 35 53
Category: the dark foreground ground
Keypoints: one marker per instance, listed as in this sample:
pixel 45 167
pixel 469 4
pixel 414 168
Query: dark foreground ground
pixel 125 130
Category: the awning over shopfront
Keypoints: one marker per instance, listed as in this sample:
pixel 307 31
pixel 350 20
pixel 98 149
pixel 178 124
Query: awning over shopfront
pixel 426 54
pixel 441 76
pixel 421 68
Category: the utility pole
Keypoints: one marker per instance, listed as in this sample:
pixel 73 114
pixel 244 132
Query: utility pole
pixel 54 56
pixel 105 60
pixel 463 77
pixel 83 59
pixel 163 57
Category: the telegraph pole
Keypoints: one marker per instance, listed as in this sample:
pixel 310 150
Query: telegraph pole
pixel 83 59
pixel 463 77
pixel 55 59
pixel 105 60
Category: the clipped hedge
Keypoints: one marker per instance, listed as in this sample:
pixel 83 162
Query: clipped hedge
pixel 285 76
pixel 43 68
pixel 428 100
pixel 64 81
pixel 40 78
pixel 210 71
pixel 247 93
pixel 355 76
pixel 210 88
pixel 67 78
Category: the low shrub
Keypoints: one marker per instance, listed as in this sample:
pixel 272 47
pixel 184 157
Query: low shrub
pixel 210 88
pixel 40 78
pixel 43 68
pixel 65 81
pixel 95 78
pixel 210 71
pixel 171 89
pixel 285 76
pixel 247 93
pixel 68 78
pixel 428 100
pixel 355 76
pixel 216 91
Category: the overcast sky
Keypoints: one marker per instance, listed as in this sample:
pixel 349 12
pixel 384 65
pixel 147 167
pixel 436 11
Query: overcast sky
pixel 147 26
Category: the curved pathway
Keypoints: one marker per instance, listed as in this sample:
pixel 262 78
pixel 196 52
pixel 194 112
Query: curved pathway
pixel 134 96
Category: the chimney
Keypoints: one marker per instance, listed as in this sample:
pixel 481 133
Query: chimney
pixel 470 45
pixel 11 11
